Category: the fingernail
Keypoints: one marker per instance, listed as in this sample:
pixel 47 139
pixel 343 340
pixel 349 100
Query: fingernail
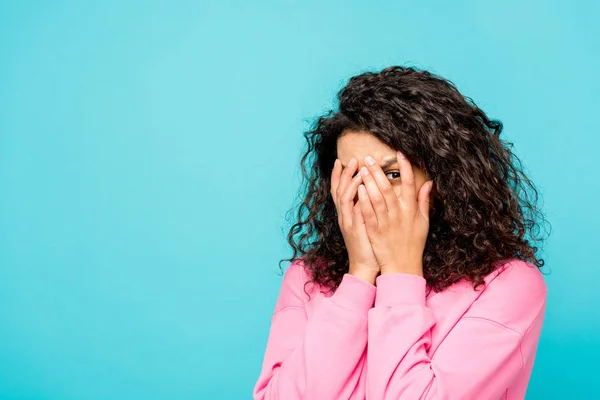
pixel 369 160
pixel 400 154
pixel 364 171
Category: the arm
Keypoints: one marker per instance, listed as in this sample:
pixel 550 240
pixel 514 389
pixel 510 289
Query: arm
pixel 317 358
pixel 478 359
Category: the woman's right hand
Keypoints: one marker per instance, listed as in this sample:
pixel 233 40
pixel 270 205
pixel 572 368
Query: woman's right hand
pixel 344 189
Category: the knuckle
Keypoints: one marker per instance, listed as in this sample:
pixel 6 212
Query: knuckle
pixel 348 195
pixel 387 189
pixel 376 198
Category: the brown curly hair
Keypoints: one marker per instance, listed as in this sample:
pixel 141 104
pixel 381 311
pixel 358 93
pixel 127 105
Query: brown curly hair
pixel 481 210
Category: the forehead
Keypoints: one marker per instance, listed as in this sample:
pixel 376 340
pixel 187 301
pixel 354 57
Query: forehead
pixel 361 144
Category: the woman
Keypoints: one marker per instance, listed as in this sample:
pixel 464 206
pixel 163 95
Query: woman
pixel 415 279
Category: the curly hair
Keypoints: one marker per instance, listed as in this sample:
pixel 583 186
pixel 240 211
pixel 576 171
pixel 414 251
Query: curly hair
pixel 481 211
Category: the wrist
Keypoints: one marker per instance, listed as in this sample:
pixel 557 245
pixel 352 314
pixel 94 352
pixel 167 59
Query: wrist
pixel 367 276
pixel 412 268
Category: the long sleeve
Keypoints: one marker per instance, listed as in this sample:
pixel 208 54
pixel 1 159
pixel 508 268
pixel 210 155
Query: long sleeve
pixel 321 357
pixel 479 358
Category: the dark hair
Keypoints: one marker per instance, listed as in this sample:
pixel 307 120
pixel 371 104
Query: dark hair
pixel 481 211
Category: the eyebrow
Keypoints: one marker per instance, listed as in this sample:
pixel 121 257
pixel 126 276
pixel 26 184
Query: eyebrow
pixel 386 163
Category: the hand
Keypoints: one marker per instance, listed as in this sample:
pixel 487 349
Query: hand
pixel 363 263
pixel 397 226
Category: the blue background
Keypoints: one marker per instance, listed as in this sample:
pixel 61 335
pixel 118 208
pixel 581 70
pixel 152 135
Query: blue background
pixel 150 150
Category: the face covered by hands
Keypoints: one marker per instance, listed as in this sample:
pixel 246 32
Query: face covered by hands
pixel 397 226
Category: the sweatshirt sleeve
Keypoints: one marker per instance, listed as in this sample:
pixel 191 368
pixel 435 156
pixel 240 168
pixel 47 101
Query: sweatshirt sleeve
pixel 321 357
pixel 478 359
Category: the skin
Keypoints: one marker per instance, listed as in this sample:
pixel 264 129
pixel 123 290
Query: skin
pixel 385 226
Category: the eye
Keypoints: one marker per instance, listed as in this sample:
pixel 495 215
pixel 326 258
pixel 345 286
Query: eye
pixel 396 173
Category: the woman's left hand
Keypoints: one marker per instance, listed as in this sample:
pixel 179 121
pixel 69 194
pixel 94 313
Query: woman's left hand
pixel 397 226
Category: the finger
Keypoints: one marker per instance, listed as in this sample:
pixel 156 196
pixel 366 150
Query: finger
pixel 335 182
pixel 407 182
pixel 385 187
pixel 425 200
pixel 335 179
pixel 347 200
pixel 357 218
pixel 346 177
pixel 366 208
pixel 375 197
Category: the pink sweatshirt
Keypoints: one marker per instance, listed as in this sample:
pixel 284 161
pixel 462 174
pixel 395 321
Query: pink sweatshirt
pixel 455 344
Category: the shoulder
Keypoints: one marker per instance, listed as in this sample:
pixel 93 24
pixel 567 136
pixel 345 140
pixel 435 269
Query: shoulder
pixel 517 279
pixel 296 272
pixel 514 295
pixel 294 283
